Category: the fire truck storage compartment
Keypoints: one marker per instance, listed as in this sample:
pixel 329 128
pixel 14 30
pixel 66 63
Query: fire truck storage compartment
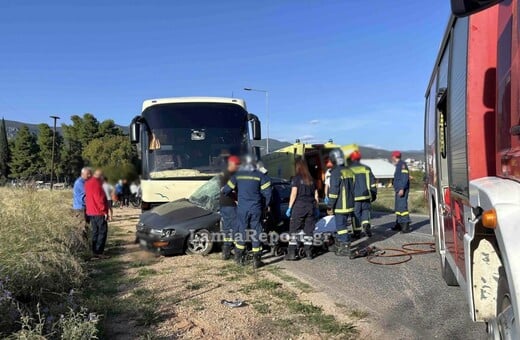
pixel 457 131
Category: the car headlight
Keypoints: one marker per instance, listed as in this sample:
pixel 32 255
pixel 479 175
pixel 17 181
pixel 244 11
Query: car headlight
pixel 157 232
pixel 168 232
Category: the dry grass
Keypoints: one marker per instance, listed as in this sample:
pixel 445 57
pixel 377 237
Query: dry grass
pixel 386 196
pixel 41 251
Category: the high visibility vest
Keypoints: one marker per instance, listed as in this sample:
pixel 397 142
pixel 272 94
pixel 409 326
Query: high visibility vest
pixel 341 192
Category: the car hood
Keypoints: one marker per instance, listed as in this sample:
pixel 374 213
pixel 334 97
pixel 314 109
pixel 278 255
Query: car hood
pixel 172 213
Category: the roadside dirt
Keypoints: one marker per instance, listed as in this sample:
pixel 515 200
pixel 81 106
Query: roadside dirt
pixel 152 297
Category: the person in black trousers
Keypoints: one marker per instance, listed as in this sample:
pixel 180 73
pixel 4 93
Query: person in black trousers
pixel 126 193
pixel 303 204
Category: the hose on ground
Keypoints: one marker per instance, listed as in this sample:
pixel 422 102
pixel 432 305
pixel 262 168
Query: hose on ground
pixel 406 252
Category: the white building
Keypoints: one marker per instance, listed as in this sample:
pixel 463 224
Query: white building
pixel 383 170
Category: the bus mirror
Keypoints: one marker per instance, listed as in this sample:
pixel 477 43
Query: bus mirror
pixel 135 132
pixel 257 152
pixel 462 8
pixel 257 135
pixel 255 126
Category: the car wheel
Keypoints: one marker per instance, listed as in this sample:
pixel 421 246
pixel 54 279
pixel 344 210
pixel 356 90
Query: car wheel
pixel 199 243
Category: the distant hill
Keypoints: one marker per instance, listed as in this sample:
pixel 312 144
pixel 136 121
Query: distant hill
pixel 13 126
pixel 274 144
pixel 369 152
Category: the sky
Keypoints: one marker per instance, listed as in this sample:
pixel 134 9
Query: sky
pixel 349 70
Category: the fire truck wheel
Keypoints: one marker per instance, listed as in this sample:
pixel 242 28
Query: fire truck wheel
pixel 505 313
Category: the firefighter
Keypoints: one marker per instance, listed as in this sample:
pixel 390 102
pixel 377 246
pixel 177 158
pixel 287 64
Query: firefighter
pixel 341 200
pixel 401 188
pixel 253 188
pixel 365 190
pixel 228 207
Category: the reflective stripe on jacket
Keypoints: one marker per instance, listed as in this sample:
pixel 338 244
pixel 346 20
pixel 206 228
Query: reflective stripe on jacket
pixel 341 192
pixel 365 187
pixel 251 187
pixel 401 176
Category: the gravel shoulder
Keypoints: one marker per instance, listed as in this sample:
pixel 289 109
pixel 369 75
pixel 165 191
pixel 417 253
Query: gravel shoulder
pixel 144 296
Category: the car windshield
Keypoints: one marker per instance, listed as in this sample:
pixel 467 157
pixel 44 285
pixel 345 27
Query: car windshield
pixel 193 139
pixel 207 196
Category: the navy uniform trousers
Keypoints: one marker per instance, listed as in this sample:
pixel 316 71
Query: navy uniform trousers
pixel 401 208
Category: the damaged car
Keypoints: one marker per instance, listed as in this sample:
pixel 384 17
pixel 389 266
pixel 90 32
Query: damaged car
pixel 191 225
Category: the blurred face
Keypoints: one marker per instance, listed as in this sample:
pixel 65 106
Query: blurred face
pixel 86 174
pixel 98 174
pixel 395 159
pixel 233 167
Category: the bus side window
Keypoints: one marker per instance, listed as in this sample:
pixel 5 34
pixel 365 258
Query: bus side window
pixel 442 106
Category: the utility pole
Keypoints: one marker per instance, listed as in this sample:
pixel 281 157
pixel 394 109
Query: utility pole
pixel 53 145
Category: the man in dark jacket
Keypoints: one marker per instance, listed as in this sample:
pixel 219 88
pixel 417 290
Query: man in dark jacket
pixel 228 208
pixel 254 194
pixel 97 211
pixel 365 190
pixel 341 200
pixel 401 188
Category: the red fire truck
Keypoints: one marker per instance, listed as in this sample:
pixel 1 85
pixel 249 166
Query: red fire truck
pixel 472 146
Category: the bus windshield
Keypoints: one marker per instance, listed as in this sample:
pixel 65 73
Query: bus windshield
pixel 193 139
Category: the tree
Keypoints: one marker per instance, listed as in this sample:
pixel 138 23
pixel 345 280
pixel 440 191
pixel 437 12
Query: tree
pixel 45 145
pixel 76 137
pixel 71 159
pixel 88 129
pixel 114 154
pixel 5 155
pixel 109 128
pixel 25 155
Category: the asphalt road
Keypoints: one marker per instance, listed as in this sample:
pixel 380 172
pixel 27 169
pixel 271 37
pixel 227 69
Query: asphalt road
pixel 406 301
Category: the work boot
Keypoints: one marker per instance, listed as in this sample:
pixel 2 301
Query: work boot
pixel 257 260
pixel 343 249
pixel 291 253
pixel 356 234
pixel 405 228
pixel 396 227
pixel 308 251
pixel 239 256
pixel 367 227
pixel 226 252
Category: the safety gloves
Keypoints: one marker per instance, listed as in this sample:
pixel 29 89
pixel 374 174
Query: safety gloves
pixel 288 212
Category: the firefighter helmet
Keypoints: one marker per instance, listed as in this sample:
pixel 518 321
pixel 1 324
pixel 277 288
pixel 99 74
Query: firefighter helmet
pixel 249 160
pixel 336 156
pixel 355 155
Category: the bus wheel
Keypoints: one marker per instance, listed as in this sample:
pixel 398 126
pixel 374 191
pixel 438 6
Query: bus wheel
pixel 199 243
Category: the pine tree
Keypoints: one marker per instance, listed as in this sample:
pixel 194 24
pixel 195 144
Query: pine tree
pixel 71 160
pixel 5 155
pixel 108 128
pixel 25 155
